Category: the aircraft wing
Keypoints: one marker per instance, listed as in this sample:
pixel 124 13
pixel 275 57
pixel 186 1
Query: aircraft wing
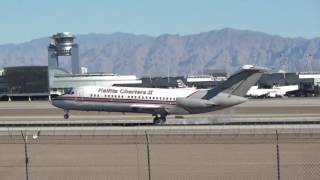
pixel 148 107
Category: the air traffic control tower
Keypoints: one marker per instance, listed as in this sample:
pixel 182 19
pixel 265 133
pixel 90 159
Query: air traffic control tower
pixel 62 45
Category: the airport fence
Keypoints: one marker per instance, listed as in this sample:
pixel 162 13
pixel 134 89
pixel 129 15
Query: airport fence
pixel 148 155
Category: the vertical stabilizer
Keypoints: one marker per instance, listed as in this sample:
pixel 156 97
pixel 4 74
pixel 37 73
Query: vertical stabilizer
pixel 239 83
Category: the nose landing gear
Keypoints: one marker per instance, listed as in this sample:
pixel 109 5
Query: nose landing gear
pixel 66 114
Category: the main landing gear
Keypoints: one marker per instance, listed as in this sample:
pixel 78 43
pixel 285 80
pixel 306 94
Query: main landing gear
pixel 66 114
pixel 159 119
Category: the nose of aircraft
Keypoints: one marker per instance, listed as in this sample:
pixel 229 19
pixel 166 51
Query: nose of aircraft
pixel 54 101
pixel 57 102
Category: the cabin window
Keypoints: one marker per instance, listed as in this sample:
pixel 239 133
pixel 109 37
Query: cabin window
pixel 105 95
pixel 122 96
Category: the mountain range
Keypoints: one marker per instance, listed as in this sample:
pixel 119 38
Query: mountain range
pixel 173 54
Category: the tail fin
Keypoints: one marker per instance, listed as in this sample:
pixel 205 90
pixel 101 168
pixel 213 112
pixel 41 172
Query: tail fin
pixel 239 83
pixel 180 84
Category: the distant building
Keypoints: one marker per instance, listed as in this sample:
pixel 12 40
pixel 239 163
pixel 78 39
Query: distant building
pixel 308 82
pixel 32 81
pixel 24 81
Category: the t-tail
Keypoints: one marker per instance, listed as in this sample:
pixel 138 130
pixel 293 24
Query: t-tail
pixel 239 83
pixel 180 84
pixel 229 93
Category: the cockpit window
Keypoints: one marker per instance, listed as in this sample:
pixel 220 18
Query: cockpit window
pixel 69 91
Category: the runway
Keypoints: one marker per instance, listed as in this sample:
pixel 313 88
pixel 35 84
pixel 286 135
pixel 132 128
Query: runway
pixel 257 108
pixel 257 115
pixel 177 152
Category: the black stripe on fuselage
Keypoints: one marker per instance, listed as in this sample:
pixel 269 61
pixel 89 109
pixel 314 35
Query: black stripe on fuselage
pixel 114 100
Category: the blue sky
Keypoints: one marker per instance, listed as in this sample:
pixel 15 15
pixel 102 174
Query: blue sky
pixel 23 20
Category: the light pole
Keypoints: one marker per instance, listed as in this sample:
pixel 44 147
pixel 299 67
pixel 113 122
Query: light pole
pixel 148 155
pixel 278 155
pixel 25 140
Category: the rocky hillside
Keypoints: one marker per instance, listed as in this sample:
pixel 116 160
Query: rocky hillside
pixel 152 56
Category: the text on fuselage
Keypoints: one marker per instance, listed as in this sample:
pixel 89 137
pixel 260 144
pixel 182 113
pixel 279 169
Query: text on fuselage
pixel 125 91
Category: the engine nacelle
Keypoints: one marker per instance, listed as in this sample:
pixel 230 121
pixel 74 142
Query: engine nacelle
pixel 194 103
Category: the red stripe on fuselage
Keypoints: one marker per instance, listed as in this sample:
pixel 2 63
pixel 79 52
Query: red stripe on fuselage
pixel 114 100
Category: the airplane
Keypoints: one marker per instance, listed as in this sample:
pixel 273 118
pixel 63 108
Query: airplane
pixel 275 91
pixel 181 84
pixel 161 102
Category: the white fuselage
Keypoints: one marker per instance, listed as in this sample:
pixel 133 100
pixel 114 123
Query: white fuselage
pixel 276 91
pixel 123 99
pixel 143 100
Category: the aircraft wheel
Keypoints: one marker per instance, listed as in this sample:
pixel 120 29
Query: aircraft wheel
pixel 66 116
pixel 159 120
pixel 163 120
pixel 156 120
